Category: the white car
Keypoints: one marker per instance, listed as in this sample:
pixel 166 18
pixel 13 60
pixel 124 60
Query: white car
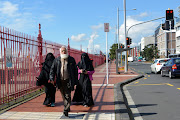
pixel 157 64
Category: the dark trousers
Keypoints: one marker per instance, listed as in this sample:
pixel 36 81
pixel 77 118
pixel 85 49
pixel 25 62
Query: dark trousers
pixel 50 91
pixel 65 90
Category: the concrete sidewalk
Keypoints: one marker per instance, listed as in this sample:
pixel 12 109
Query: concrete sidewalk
pixel 103 95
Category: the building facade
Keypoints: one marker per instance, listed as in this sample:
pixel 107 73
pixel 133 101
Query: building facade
pixel 165 41
pixel 147 41
pixel 177 27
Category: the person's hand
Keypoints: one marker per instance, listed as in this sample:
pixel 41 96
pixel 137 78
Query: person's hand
pixel 81 70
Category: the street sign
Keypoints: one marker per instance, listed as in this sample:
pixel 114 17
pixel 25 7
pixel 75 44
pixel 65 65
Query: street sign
pixel 106 27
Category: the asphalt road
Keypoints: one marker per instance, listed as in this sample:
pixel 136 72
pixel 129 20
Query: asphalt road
pixel 153 97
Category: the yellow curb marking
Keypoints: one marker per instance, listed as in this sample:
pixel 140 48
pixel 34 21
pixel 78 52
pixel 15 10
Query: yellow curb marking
pixel 147 84
pixel 136 82
pixel 170 84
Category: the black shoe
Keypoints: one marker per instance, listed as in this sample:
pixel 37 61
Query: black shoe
pixel 66 113
pixel 69 110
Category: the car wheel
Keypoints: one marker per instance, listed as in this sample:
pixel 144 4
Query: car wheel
pixel 170 75
pixel 162 73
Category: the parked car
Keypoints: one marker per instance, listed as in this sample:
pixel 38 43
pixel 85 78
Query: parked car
pixel 171 68
pixel 158 64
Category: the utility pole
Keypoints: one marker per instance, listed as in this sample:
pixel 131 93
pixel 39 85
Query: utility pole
pixel 126 69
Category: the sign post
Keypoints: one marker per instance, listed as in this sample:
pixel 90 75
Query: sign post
pixel 106 29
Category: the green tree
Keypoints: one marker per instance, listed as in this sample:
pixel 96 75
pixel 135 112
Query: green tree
pixel 150 52
pixel 113 49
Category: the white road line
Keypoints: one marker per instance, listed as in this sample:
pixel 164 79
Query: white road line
pixel 131 103
pixel 113 75
pixel 102 84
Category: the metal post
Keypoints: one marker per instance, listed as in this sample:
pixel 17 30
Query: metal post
pixel 171 35
pixel 118 32
pixel 107 76
pixel 126 69
pixel 68 47
pixel 118 26
pixel 40 47
pixel 116 62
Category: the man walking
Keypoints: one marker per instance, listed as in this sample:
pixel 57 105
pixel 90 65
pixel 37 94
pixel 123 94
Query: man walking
pixel 65 70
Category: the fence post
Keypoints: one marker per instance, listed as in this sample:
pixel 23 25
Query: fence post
pixel 68 47
pixel 40 47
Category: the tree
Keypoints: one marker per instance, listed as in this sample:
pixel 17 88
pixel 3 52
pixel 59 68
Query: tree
pixel 113 49
pixel 150 52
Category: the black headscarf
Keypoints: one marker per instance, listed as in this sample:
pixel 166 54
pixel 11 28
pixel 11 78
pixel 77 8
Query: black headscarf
pixel 49 57
pixel 85 63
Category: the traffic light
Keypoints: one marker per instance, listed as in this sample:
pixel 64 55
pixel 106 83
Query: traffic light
pixel 169 18
pixel 128 40
pixel 169 15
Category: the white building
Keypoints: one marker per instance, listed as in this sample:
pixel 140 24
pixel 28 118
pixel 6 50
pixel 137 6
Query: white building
pixel 177 27
pixel 147 41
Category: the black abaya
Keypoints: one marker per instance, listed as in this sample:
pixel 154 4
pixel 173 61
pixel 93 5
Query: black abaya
pixel 83 92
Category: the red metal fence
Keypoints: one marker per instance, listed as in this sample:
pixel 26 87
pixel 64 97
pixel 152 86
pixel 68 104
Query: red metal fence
pixel 21 56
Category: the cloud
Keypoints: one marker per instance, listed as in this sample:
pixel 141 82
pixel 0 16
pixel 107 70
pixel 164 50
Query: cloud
pixel 48 16
pixel 9 9
pixel 11 16
pixel 79 37
pixel 138 31
pixel 97 27
pixel 91 40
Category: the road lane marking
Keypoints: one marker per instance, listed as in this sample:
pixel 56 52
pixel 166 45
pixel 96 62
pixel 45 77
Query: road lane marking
pixel 178 88
pixel 136 82
pixel 149 76
pixel 145 78
pixel 134 109
pixel 170 84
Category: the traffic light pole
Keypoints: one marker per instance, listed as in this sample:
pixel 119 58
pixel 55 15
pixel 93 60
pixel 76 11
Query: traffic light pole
pixel 171 35
pixel 143 23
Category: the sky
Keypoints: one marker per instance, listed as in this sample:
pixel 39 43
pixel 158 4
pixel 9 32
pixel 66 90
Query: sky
pixel 82 21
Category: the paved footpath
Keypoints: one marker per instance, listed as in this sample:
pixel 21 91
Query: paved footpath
pixel 103 95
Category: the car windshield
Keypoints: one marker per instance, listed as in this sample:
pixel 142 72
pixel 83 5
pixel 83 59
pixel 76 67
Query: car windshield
pixel 155 61
pixel 177 61
pixel 163 61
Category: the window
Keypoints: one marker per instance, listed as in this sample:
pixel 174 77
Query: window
pixel 163 61
pixel 177 61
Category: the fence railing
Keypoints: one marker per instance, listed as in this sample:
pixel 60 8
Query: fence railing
pixel 21 56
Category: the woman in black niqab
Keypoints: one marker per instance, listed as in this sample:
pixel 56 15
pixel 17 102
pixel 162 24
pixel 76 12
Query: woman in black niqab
pixel 50 90
pixel 83 92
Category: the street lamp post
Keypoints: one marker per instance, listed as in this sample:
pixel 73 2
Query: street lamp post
pixel 118 26
pixel 125 36
pixel 125 30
